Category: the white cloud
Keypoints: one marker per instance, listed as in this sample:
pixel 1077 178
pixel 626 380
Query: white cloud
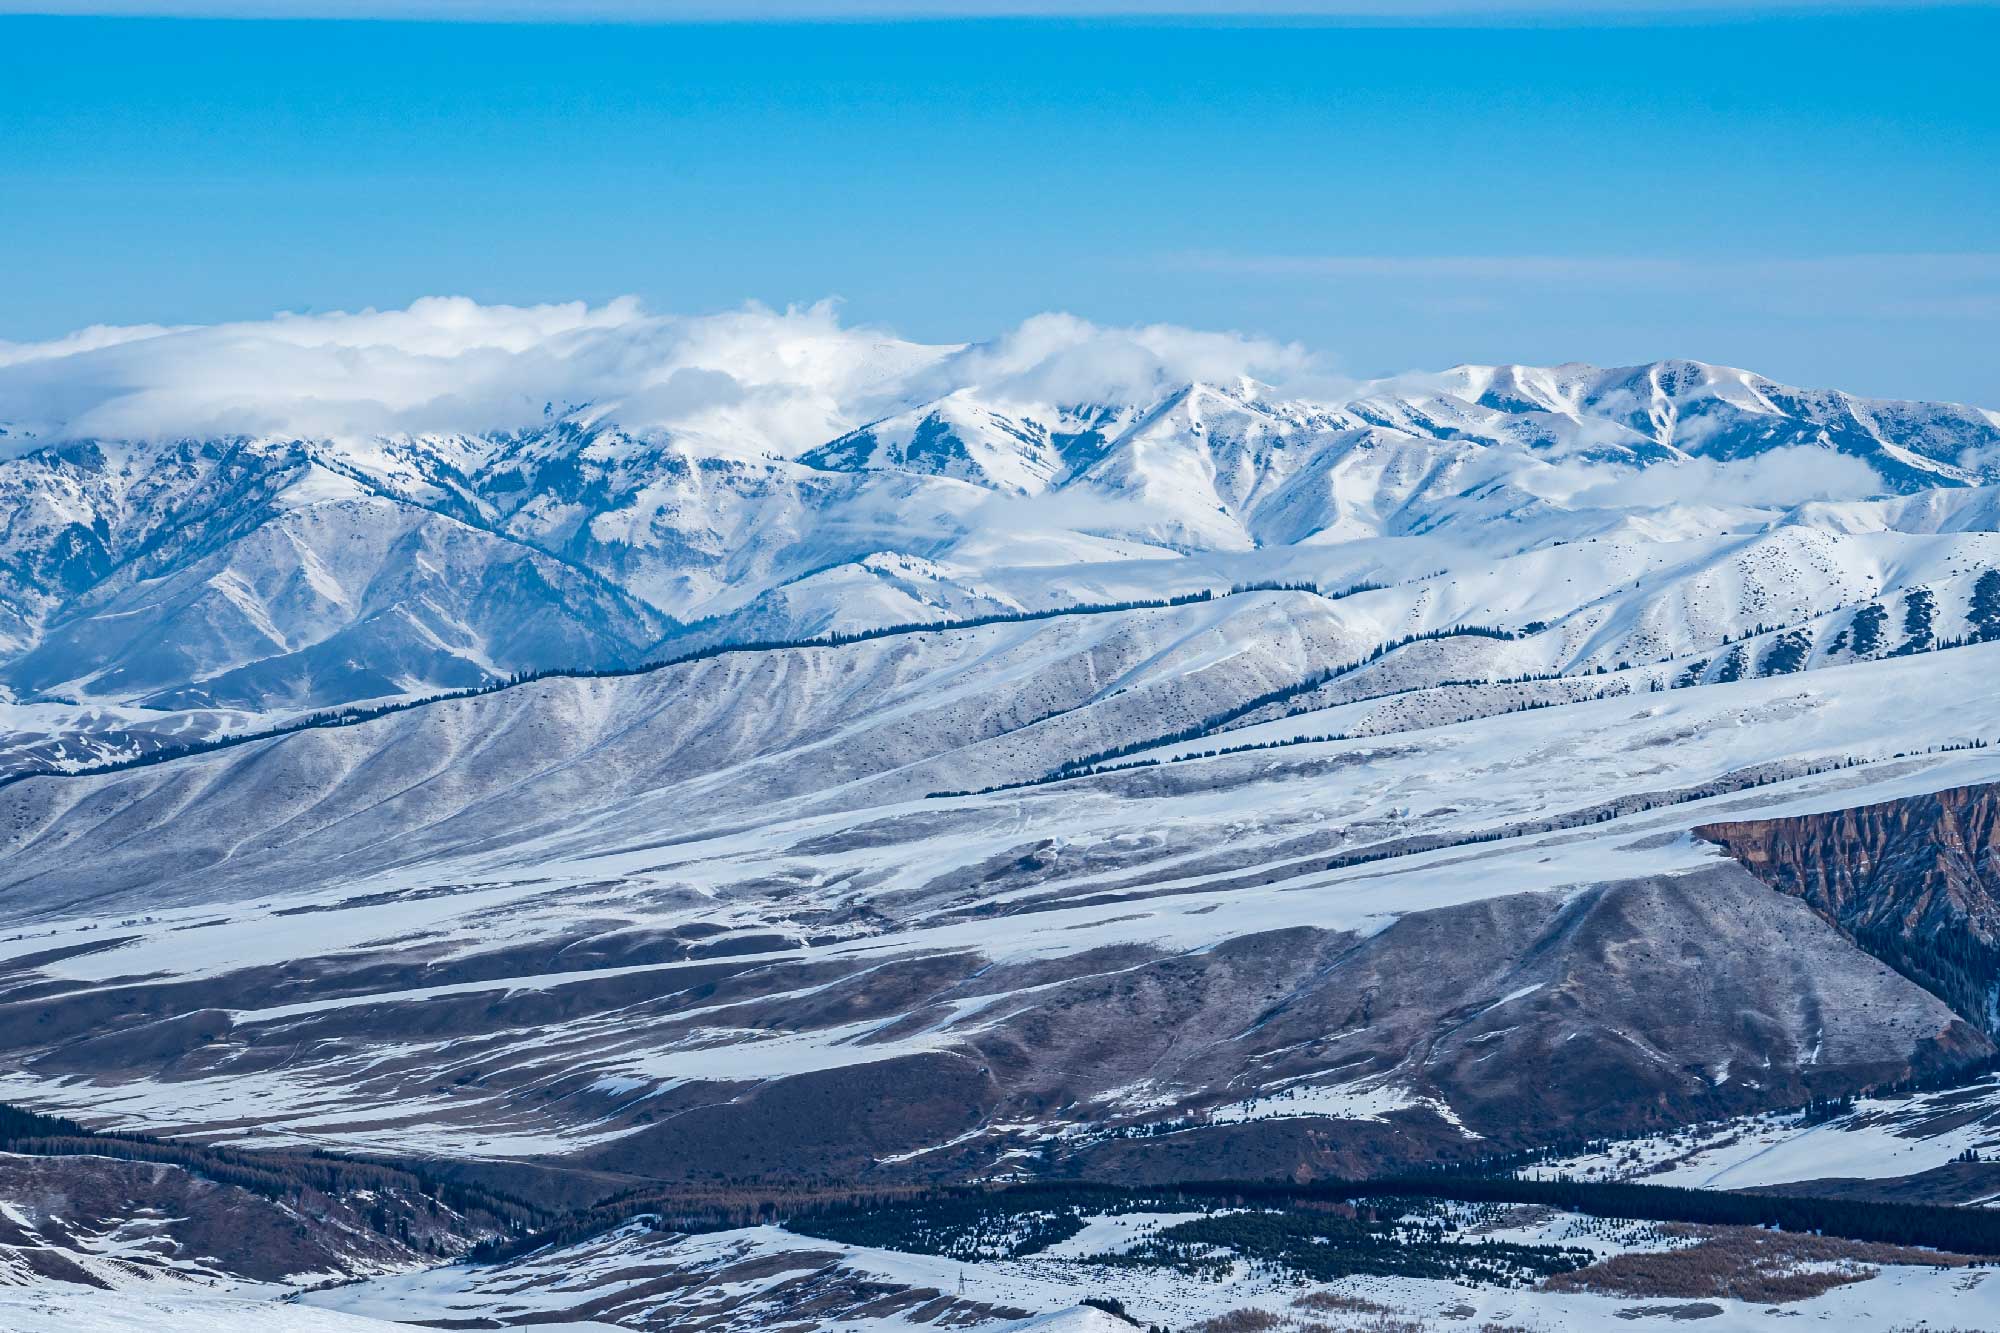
pixel 1058 358
pixel 782 380
pixel 1778 478
pixel 447 364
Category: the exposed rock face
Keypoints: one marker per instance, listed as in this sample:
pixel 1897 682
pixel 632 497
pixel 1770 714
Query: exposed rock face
pixel 1916 882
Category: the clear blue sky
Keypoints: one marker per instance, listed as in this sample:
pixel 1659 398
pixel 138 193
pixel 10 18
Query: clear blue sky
pixel 1815 195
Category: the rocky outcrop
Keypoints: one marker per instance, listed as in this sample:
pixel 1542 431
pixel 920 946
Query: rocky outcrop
pixel 1916 882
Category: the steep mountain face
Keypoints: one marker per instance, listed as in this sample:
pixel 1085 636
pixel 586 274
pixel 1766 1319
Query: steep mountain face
pixel 242 574
pixel 1915 882
pixel 1022 452
pixel 1688 408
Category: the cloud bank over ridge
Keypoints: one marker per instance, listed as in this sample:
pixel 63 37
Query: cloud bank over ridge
pixel 792 378
pixel 762 381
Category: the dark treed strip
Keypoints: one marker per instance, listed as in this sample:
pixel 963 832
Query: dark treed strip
pixel 913 1218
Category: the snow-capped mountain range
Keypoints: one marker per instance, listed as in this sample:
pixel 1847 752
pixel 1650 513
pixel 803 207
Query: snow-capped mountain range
pixel 170 587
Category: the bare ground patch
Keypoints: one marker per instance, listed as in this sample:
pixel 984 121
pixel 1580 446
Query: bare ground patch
pixel 1740 1263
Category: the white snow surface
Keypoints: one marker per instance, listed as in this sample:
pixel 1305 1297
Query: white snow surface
pixel 1878 1138
pixel 51 1308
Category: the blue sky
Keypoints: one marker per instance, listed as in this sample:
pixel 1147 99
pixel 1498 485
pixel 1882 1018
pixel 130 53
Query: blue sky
pixel 1813 194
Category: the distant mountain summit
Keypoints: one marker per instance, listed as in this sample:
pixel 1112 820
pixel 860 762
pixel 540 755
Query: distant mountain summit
pixel 1698 410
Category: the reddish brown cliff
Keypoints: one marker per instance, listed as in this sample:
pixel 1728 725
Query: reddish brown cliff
pixel 1914 881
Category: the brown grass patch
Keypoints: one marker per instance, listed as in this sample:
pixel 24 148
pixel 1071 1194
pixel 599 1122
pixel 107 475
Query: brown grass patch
pixel 1765 1267
pixel 1334 1302
pixel 1246 1320
pixel 1356 1316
